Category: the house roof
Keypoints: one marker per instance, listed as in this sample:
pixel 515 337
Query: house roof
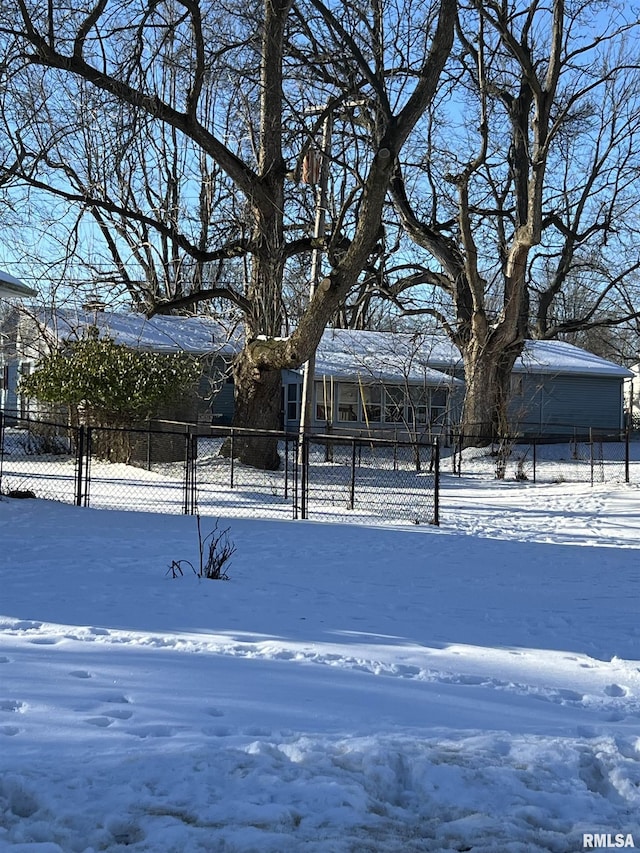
pixel 378 357
pixel 12 288
pixel 383 356
pixel 162 333
pixel 438 353
pixel 551 357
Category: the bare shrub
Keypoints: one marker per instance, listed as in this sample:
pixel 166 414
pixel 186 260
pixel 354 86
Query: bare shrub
pixel 215 551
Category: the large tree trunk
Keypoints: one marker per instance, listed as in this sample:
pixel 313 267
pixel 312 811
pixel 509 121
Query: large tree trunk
pixel 257 407
pixel 257 385
pixel 488 383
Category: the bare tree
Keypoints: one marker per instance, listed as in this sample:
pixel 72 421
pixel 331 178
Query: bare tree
pixel 118 53
pixel 523 186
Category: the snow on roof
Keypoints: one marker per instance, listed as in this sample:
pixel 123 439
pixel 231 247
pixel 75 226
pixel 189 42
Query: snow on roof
pixel 437 351
pixel 162 333
pixel 12 287
pixel 378 357
pixel 551 357
pixel 381 356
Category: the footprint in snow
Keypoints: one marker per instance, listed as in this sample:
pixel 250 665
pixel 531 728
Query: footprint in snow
pixel 25 625
pixel 616 690
pixel 155 731
pixel 120 713
pixel 257 731
pixel 124 832
pixel 217 731
pixel 114 699
pixel 11 705
pixel 99 722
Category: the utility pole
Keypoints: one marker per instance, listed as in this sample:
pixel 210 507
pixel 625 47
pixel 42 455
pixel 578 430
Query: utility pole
pixel 309 368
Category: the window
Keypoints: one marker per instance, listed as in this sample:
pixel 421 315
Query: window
pixel 348 407
pixel 438 406
pixel 372 402
pixel 294 396
pixel 418 405
pixel 324 402
pixel 394 405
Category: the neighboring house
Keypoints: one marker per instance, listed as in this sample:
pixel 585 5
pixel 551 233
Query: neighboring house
pixel 557 388
pixel 380 380
pixel 374 383
pixel 31 334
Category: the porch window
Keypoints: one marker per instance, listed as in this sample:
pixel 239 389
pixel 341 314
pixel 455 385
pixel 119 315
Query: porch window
pixel 394 405
pixel 372 402
pixel 324 403
pixel 438 406
pixel 294 396
pixel 418 407
pixel 348 408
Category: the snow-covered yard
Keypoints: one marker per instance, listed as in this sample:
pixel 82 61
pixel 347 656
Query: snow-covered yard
pixel 351 689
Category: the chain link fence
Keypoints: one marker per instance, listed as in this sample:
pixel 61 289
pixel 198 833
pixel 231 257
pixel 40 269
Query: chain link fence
pixel 182 468
pixel 588 456
pixel 42 461
pixel 370 477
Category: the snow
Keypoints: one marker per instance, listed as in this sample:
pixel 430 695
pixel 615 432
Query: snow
pixel 414 352
pixel 341 352
pixel 162 333
pixel 358 688
pixel 548 357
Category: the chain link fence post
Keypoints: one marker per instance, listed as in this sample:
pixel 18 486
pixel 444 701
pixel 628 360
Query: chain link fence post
pixel 80 461
pixel 190 478
pixel 231 458
pixel 304 489
pixel 352 484
pixel 296 477
pixel 1 447
pixel 436 483
pixel 627 453
pixel 88 459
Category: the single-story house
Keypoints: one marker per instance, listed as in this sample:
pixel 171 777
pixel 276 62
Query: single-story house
pixel 29 334
pixel 380 380
pixel 364 382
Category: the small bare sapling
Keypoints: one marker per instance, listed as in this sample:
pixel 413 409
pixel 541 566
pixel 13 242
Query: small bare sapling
pixel 215 552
